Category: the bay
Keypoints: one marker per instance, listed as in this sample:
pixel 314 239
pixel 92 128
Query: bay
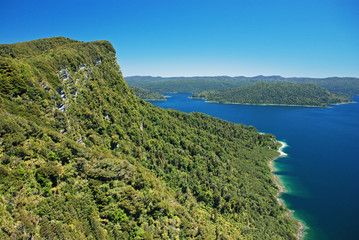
pixel 321 171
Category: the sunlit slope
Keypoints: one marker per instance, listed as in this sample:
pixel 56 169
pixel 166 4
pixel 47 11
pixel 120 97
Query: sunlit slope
pixel 82 157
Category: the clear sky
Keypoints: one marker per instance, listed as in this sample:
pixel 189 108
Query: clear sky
pixel 313 38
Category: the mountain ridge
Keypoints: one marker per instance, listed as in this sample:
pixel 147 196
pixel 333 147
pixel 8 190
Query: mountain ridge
pixel 341 85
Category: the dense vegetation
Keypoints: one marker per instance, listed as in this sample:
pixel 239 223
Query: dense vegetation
pixel 82 158
pixel 186 85
pixel 147 94
pixel 307 94
pixel 347 86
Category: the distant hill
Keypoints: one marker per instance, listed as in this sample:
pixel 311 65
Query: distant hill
pixel 346 85
pixel 285 93
pixel 147 94
pixel 186 84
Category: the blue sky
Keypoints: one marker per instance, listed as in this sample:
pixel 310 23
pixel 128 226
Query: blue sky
pixel 313 38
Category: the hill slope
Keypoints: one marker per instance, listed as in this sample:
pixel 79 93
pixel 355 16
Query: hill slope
pixel 82 157
pixel 307 94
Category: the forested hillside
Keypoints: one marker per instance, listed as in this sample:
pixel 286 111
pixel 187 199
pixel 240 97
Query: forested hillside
pixel 186 85
pixel 284 93
pixel 82 158
pixel 147 94
pixel 344 86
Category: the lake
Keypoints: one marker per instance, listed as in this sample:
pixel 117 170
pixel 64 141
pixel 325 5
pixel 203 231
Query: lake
pixel 321 171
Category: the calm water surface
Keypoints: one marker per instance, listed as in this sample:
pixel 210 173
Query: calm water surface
pixel 321 172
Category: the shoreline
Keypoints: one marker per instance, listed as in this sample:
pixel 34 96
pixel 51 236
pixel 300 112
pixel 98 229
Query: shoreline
pixel 154 99
pixel 282 189
pixel 273 104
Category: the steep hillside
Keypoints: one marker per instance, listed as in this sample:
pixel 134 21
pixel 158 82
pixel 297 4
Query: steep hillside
pixel 83 158
pixel 283 93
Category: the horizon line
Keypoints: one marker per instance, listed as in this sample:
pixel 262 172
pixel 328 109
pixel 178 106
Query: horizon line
pixel 239 76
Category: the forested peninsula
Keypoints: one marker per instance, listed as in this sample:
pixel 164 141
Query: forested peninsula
pixel 145 94
pixel 81 157
pixel 278 93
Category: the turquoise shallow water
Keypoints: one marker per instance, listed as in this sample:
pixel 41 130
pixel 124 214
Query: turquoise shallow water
pixel 321 171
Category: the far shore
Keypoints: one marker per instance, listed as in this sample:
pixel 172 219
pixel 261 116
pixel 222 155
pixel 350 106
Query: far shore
pixel 154 99
pixel 273 104
pixel 282 188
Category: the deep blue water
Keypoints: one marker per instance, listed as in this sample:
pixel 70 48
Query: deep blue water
pixel 321 172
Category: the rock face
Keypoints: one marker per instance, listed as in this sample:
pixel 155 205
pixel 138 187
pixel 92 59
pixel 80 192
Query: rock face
pixel 82 157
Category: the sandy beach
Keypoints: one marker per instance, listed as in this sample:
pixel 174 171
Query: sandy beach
pixel 282 188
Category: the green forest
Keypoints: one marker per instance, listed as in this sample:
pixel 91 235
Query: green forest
pixel 145 94
pixel 81 157
pixel 343 86
pixel 185 85
pixel 283 93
